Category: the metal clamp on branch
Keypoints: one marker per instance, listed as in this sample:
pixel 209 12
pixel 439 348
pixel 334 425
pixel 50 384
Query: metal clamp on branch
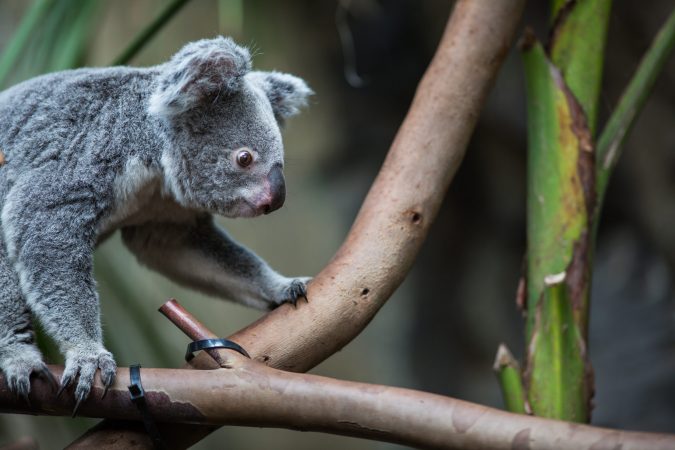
pixel 208 344
pixel 137 394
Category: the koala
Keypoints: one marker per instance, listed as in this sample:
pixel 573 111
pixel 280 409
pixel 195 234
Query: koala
pixel 154 152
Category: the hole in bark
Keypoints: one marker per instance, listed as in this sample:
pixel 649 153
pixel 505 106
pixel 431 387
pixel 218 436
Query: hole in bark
pixel 416 218
pixel 265 358
pixel 365 292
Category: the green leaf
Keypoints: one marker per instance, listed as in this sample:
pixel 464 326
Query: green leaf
pixel 632 101
pixel 77 21
pixel 21 37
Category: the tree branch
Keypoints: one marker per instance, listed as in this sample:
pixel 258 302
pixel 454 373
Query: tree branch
pixel 404 199
pixel 396 215
pixel 252 394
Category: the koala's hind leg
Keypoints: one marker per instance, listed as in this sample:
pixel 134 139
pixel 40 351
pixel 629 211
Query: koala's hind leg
pixel 19 357
pixel 50 240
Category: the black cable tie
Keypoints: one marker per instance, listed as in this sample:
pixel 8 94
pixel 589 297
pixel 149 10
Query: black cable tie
pixel 207 344
pixel 137 394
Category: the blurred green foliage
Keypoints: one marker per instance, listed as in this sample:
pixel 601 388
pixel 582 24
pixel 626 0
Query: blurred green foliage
pixel 53 35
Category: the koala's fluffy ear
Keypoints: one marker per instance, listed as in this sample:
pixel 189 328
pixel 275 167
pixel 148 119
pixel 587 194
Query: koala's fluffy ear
pixel 286 93
pixel 197 73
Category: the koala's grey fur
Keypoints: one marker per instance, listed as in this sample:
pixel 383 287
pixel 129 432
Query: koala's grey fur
pixel 149 151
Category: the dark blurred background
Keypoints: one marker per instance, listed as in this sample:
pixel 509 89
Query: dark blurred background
pixel 441 329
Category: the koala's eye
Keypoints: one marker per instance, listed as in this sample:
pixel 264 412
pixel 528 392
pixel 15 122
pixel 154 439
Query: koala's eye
pixel 244 158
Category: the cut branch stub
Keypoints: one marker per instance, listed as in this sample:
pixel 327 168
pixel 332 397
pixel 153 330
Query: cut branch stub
pixel 508 372
pixel 561 198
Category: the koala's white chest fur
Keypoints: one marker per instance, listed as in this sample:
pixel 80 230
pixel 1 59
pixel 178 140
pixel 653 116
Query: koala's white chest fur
pixel 139 197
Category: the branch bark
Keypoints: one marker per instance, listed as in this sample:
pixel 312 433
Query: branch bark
pixel 252 394
pixel 395 217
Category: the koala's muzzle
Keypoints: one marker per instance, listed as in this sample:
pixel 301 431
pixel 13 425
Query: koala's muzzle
pixel 275 194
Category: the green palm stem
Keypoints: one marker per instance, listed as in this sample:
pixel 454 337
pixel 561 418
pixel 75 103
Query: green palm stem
pixel 149 32
pixel 22 36
pixel 563 85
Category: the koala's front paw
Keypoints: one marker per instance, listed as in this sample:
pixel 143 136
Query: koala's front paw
pixel 85 361
pixel 289 291
pixel 18 362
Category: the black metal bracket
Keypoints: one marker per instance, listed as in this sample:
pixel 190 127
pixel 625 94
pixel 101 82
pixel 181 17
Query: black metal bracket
pixel 137 394
pixel 206 344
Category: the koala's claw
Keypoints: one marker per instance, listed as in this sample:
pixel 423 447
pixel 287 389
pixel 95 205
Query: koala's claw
pixel 77 406
pixel 294 290
pixel 64 385
pixel 27 400
pixel 18 367
pixel 21 386
pixel 46 374
pixel 85 364
pixel 105 391
pixel 108 378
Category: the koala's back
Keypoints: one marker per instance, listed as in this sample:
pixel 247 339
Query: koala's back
pixel 56 118
pixel 79 124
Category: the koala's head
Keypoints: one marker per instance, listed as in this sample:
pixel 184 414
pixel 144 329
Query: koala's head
pixel 224 151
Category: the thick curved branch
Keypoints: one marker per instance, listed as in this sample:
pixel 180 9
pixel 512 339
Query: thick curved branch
pixel 400 207
pixel 404 199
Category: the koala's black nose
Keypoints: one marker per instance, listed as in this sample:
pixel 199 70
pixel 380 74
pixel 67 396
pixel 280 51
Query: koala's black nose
pixel 277 190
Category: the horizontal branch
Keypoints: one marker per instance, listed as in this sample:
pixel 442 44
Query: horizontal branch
pixel 252 394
